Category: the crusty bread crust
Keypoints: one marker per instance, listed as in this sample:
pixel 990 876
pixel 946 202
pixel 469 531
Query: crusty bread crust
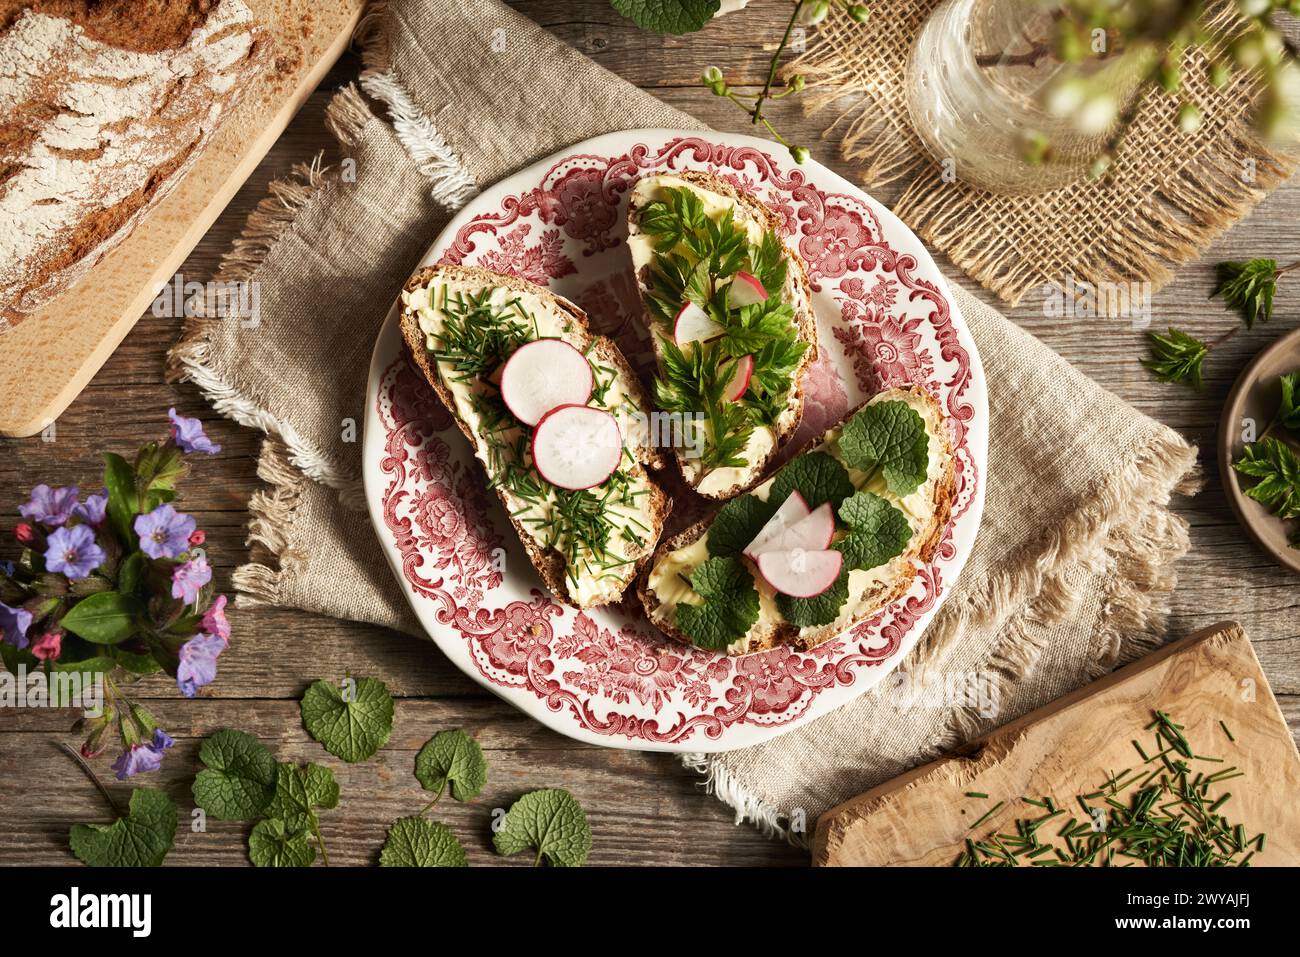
pixel 805 319
pixel 550 564
pixel 905 566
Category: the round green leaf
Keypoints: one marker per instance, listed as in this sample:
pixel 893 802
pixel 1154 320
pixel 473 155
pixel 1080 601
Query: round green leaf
pixel 352 725
pixel 452 757
pixel 271 844
pixel 552 822
pixel 416 842
pixel 238 781
pixel 141 839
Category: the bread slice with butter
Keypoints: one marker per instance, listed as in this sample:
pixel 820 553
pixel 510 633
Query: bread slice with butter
pixel 669 581
pixel 654 245
pixel 586 545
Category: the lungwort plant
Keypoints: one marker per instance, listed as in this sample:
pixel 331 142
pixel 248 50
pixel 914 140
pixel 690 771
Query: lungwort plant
pixel 113 586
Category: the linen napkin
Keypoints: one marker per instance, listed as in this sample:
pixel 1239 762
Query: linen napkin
pixel 1071 567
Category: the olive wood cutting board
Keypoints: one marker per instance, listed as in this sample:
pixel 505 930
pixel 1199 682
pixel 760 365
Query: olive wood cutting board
pixel 1071 746
pixel 49 357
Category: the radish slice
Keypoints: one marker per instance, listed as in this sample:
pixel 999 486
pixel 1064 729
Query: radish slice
pixel 746 290
pixel 799 573
pixel 739 379
pixel 694 325
pixel 812 534
pixel 577 447
pixel 792 510
pixel 543 375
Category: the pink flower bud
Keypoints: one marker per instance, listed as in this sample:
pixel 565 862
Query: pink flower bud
pixel 49 646
pixel 198 537
pixel 25 533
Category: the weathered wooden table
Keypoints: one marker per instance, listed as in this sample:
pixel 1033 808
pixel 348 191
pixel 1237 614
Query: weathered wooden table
pixel 644 808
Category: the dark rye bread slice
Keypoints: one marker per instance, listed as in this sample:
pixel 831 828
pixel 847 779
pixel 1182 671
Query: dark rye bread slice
pixel 902 571
pixel 799 293
pixel 550 564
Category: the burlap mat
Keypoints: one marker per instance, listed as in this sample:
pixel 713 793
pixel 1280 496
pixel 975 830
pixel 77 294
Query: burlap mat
pixel 1166 198
pixel 1072 564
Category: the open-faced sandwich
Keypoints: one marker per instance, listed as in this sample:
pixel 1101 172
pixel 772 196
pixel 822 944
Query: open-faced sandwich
pixel 552 413
pixel 730 313
pixel 830 539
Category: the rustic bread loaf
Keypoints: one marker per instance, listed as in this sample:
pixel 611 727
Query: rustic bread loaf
pixel 104 105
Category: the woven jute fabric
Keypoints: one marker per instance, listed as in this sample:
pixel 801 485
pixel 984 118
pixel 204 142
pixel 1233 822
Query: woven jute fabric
pixel 1070 569
pixel 1165 198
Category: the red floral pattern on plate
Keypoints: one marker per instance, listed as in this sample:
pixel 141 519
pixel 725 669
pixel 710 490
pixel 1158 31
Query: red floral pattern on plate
pixel 606 674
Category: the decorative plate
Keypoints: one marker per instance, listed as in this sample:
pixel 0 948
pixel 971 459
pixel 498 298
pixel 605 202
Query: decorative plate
pixel 885 318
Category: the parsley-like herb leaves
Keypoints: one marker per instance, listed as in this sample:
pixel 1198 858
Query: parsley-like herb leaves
pixel 238 781
pixel 889 436
pixel 1277 467
pixel 1248 287
pixel 552 822
pixel 352 723
pixel 730 607
pixel 141 839
pixel 878 532
pixel 416 842
pixel 1289 412
pixel 1176 357
pixel 452 757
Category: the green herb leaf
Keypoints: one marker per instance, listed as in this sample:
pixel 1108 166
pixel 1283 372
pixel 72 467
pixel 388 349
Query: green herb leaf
pixel 141 839
pixel 1277 467
pixel 889 436
pixel 1248 287
pixel 119 479
pixel 818 476
pixel 878 532
pixel 737 522
pixel 452 757
pixel 671 220
pixel 352 727
pixel 1176 357
pixel 272 844
pixel 1289 411
pixel 550 821
pixel 238 781
pixel 104 619
pixel 668 16
pixel 730 607
pixel 299 790
pixel 820 609
pixel 416 842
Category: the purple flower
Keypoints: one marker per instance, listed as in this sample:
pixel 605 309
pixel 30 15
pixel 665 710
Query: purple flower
pixel 92 511
pixel 189 435
pixel 214 619
pixel 188 578
pixel 50 506
pixel 73 552
pixel 164 532
pixel 143 757
pixel 198 665
pixel 7 569
pixel 14 623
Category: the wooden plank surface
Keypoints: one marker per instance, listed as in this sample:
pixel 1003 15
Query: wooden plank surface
pixel 1076 745
pixel 645 808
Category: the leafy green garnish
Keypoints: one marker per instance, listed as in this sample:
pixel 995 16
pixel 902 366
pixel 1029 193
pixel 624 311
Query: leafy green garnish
pixel 273 844
pixel 416 842
pixel 737 522
pixel 677 217
pixel 889 436
pixel 1248 287
pixel 141 839
pixel 668 16
pixel 1277 467
pixel 730 607
pixel 452 757
pixel 477 335
pixel 301 789
pixel 820 609
pixel 1176 357
pixel 550 821
pixel 238 781
pixel 352 725
pixel 818 476
pixel 878 532
pixel 1288 412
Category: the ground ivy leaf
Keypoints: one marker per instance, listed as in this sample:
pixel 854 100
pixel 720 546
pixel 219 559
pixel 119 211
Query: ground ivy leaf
pixel 737 522
pixel 141 839
pixel 730 605
pixel 818 476
pixel 552 822
pixel 349 729
pixel 820 609
pixel 452 757
pixel 668 16
pixel 272 844
pixel 299 790
pixel 416 842
pixel 239 779
pixel 878 532
pixel 889 436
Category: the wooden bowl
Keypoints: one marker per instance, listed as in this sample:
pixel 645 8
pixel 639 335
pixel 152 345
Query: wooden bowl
pixel 1255 398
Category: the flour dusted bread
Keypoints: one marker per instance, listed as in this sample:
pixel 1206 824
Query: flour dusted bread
pixel 104 105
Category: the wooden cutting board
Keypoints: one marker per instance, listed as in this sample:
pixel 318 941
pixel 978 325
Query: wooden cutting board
pixel 1071 746
pixel 48 358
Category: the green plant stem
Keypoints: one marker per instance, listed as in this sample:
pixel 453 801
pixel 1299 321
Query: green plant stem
pixel 757 115
pixel 320 841
pixel 424 810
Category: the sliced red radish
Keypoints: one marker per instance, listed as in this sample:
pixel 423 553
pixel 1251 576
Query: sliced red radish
pixel 739 381
pixel 792 510
pixel 577 447
pixel 812 534
pixel 746 290
pixel 543 375
pixel 799 573
pixel 693 324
